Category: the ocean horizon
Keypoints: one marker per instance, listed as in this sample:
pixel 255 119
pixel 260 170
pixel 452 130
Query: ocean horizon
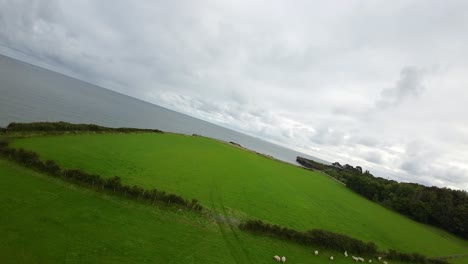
pixel 32 93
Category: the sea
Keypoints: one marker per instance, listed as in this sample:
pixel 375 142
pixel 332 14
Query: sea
pixel 30 93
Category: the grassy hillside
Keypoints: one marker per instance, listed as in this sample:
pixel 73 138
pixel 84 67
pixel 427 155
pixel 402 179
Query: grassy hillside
pixel 44 220
pixel 251 186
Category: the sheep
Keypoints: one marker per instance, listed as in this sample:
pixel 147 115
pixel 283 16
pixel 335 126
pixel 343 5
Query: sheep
pixel 283 259
pixel 331 258
pixel 361 259
pixel 370 260
pixel 316 252
pixel 380 258
pixel 346 253
pixel 277 258
pixel 354 258
pixel 385 262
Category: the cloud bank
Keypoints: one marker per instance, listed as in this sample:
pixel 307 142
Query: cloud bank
pixel 380 84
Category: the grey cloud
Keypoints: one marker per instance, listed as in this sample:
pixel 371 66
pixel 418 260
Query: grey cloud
pixel 418 156
pixel 422 161
pixel 309 75
pixel 328 136
pixel 368 141
pixel 374 157
pixel 451 174
pixel 27 16
pixel 410 85
pixel 412 167
pixel 425 172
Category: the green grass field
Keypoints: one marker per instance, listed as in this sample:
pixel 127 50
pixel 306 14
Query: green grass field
pixel 249 185
pixel 45 220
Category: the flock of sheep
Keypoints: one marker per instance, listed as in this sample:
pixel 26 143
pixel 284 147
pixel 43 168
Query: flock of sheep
pixel 356 259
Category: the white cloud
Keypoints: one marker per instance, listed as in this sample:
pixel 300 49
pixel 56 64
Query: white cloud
pixel 350 81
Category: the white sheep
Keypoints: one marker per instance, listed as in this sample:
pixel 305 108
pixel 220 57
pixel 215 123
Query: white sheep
pixel 380 258
pixel 361 259
pixel 355 258
pixel 277 258
pixel 346 253
pixel 283 259
pixel 331 258
pixel 316 252
pixel 370 260
pixel 385 262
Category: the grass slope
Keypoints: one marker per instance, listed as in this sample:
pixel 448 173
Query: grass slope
pixel 251 185
pixel 45 220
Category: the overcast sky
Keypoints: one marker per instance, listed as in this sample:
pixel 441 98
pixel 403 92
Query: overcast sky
pixel 381 84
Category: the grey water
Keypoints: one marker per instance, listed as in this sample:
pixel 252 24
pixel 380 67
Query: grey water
pixel 30 94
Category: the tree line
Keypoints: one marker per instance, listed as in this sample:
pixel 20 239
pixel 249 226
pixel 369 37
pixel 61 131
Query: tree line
pixel 333 241
pixel 68 127
pixel 441 207
pixel 315 237
pixel 113 185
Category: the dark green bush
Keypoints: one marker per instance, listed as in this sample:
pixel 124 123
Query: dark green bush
pixel 412 258
pixel 311 164
pixel 315 237
pixel 3 143
pixel 68 127
pixel 441 207
pixel 114 184
pixel 334 241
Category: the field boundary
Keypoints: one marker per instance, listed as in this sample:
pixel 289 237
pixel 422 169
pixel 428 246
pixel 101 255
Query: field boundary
pixel 111 185
pixel 456 256
pixel 114 186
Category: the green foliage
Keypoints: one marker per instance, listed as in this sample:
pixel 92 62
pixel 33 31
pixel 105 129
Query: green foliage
pixel 315 237
pixel 68 127
pixel 412 258
pixel 114 184
pixel 47 220
pixel 222 176
pixel 251 249
pixel 3 142
pixel 311 164
pixel 441 207
pixel 334 241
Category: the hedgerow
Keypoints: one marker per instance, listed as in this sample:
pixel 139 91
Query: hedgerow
pixel 114 184
pixel 333 241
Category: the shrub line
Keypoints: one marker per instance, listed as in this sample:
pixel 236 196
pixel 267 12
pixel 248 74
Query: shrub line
pixel 333 241
pixel 441 207
pixel 113 185
pixel 316 237
pixel 51 127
